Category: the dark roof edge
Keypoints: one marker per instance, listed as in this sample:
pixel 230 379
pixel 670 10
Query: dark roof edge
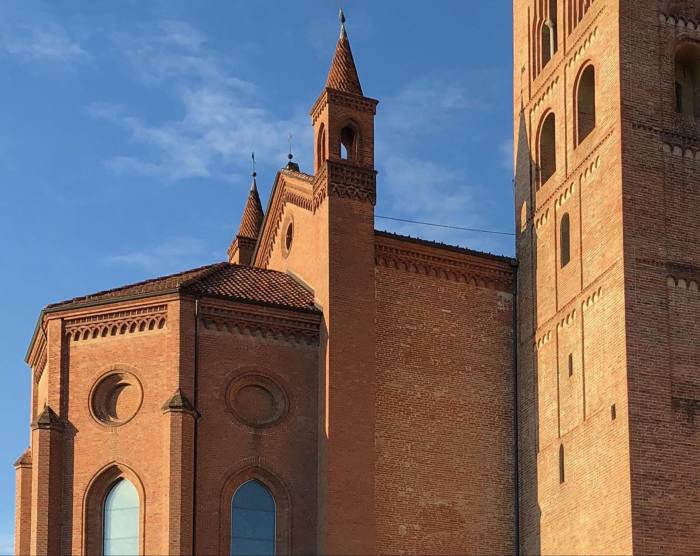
pixel 93 303
pixel 446 247
pixel 181 289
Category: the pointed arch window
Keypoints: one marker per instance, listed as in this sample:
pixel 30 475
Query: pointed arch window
pixel 321 146
pixel 585 104
pixel 547 160
pixel 120 521
pixel 565 240
pixel 253 520
pixel 687 75
pixel 547 42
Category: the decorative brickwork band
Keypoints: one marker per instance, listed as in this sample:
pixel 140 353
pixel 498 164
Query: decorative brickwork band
pixel 116 323
pixel 259 321
pixel 441 266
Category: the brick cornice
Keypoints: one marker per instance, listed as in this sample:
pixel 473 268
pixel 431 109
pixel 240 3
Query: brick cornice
pixel 341 98
pixel 255 320
pixel 444 264
pixel 116 323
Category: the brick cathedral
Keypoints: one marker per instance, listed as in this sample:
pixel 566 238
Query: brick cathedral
pixel 333 389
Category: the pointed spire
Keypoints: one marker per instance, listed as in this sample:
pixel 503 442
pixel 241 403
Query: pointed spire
pixel 252 213
pixel 343 75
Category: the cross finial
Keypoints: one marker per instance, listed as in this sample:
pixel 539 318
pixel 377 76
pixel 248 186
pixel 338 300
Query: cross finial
pixel 341 17
pixel 289 139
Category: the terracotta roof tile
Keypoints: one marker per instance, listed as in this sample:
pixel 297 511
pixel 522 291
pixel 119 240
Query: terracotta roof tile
pixel 221 280
pixel 252 218
pixel 343 75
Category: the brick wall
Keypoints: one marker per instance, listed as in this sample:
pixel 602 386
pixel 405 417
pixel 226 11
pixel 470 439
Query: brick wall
pixel 444 414
pixel 575 310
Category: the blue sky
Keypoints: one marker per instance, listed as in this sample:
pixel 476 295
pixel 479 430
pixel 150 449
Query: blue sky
pixel 128 126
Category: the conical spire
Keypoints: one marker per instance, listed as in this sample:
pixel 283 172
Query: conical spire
pixel 343 75
pixel 252 213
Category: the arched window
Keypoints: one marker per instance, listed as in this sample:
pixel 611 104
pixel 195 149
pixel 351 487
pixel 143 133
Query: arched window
pixel 561 463
pixel 546 42
pixel 252 520
pixel 348 143
pixel 585 104
pixel 576 10
pixel 120 521
pixel 687 73
pixel 321 146
pixel 547 149
pixel 564 240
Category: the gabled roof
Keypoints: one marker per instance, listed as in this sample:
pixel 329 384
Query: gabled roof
pixel 343 75
pixel 220 280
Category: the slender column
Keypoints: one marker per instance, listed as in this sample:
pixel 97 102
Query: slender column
pixel 181 416
pixel 23 503
pixel 46 483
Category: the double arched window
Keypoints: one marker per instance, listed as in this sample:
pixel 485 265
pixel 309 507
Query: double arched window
pixel 546 31
pixel 120 520
pixel 253 520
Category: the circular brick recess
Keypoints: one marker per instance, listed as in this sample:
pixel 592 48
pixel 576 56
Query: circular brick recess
pixel 116 398
pixel 256 401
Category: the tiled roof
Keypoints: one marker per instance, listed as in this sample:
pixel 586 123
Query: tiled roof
pixel 220 280
pixel 343 75
pixel 252 215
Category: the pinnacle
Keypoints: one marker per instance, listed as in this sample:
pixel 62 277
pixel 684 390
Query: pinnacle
pixel 343 75
pixel 252 214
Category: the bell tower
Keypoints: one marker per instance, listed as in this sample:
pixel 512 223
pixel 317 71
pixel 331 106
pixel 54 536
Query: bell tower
pixel 343 119
pixel 606 194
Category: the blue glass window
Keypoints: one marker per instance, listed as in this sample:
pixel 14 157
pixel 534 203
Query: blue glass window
pixel 252 521
pixel 121 520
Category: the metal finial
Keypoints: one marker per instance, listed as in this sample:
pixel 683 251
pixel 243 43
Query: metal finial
pixel 341 17
pixel 291 165
pixel 254 185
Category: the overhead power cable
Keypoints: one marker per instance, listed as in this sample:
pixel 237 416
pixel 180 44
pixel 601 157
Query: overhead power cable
pixel 445 226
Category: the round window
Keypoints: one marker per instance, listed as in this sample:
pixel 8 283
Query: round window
pixel 116 398
pixel 256 401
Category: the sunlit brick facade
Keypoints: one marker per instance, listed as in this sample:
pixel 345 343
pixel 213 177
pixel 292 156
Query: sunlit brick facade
pixel 389 395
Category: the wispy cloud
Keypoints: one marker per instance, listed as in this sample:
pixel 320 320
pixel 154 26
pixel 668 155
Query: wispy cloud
pixel 48 41
pixel 428 103
pixel 170 255
pixel 221 120
pixel 416 185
